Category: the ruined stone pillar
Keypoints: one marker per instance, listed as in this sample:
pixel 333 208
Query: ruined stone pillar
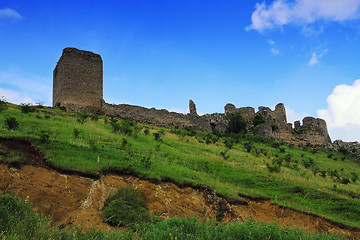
pixel 192 108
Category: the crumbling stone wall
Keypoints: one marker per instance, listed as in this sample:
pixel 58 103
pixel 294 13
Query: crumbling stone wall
pixel 160 118
pixel 78 81
pixel 78 85
pixel 313 132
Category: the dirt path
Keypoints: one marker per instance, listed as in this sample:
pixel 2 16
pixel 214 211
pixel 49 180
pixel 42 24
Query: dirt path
pixel 74 198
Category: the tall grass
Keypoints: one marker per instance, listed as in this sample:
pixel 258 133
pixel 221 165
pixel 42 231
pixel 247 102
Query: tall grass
pixel 19 222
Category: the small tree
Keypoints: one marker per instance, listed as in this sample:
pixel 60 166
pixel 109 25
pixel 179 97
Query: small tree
pixel 11 123
pixel 236 123
pixel 27 108
pixel 258 119
pixel 3 104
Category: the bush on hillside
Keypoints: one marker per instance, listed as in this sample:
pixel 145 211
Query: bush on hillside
pixel 27 108
pixel 11 123
pixel 236 123
pixel 258 119
pixel 82 117
pixel 3 104
pixel 126 208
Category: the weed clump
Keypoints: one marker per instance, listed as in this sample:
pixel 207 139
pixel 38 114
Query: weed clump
pixel 124 127
pixel 146 162
pixel 3 104
pixel 44 136
pixel 76 132
pixel 126 208
pixel 11 123
pixel 27 108
pixel 82 117
pixel 146 131
pixel 248 146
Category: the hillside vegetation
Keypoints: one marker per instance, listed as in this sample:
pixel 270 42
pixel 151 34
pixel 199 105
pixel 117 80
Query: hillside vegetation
pixel 319 181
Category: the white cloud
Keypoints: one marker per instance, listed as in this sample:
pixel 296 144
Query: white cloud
pixel 10 13
pixel 313 60
pixel 302 12
pixel 19 87
pixel 15 97
pixel 315 57
pixel 343 112
pixel 292 116
pixel 271 42
pixel 275 51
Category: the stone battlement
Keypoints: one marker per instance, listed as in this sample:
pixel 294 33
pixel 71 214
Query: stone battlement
pixel 84 54
pixel 78 86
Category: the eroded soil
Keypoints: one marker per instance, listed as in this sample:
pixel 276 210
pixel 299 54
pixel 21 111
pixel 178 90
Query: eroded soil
pixel 73 198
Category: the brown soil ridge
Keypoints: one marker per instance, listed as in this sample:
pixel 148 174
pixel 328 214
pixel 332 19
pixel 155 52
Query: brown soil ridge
pixel 73 197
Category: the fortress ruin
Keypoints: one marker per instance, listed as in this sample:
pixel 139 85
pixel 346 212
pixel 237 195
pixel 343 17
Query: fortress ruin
pixel 78 81
pixel 78 86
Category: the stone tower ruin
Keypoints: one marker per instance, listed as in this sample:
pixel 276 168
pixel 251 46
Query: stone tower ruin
pixel 78 81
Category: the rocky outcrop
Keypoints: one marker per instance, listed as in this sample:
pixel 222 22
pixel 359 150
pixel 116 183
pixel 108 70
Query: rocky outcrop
pixel 352 148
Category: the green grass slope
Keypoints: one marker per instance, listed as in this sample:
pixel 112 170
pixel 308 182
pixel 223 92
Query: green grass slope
pixel 319 181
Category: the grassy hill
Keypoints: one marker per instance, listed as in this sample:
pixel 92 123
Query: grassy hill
pixel 319 181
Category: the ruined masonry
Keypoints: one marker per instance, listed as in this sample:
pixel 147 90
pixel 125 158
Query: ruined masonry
pixel 78 86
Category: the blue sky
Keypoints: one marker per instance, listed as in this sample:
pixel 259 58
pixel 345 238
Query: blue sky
pixel 160 54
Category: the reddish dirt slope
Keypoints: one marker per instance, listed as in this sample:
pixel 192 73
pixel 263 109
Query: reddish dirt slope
pixel 70 198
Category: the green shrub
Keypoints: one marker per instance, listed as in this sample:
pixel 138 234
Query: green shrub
pixel 229 142
pixel 313 151
pixel 274 127
pixel 146 162
pixel 27 108
pixel 224 154
pixel 44 136
pixel 308 162
pixel 126 208
pixel 76 132
pixel 354 176
pixel 92 143
pixel 343 150
pixel 11 123
pixel 157 136
pixel 236 123
pixel 95 117
pixel 323 173
pixel 258 119
pixel 82 117
pixel 124 143
pixel 146 131
pixel 273 167
pixel 344 180
pixel 298 131
pixel 40 104
pixel 3 104
pixel 248 146
pixel 115 126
